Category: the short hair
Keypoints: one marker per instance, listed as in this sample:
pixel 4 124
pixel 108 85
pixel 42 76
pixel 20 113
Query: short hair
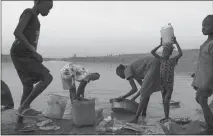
pixel 97 74
pixel 119 68
pixel 209 17
pixel 38 1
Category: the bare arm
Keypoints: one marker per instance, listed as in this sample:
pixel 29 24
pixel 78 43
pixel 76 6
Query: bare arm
pixel 138 94
pixel 180 53
pixel 133 90
pixel 210 79
pixel 139 82
pixel 153 52
pixel 81 88
pixel 20 28
pixel 193 75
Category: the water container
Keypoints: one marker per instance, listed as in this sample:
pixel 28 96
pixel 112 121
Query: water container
pixel 56 106
pixel 167 32
pixel 65 85
pixel 83 112
pixel 125 106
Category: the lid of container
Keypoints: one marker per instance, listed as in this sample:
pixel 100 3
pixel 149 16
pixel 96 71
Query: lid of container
pixel 166 26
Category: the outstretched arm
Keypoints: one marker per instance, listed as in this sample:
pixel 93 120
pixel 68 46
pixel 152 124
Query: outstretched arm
pixel 153 52
pixel 138 94
pixel 131 92
pixel 81 88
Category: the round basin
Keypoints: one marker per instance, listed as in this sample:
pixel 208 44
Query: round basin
pixel 125 106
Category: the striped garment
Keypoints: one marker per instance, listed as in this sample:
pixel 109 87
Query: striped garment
pixel 78 72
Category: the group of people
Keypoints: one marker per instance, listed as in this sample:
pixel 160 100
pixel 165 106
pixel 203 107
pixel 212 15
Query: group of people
pixel 152 73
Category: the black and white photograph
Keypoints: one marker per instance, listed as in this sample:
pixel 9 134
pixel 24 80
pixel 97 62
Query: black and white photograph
pixel 84 67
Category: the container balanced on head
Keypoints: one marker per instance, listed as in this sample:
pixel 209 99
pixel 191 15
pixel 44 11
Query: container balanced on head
pixel 167 32
pixel 167 65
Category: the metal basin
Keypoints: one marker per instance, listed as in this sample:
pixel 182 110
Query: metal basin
pixel 125 106
pixel 173 103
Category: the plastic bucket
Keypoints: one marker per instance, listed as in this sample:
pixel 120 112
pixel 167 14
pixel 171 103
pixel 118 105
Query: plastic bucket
pixel 56 106
pixel 83 112
pixel 65 85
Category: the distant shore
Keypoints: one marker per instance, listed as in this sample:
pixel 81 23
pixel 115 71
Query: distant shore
pixel 187 62
pixel 190 56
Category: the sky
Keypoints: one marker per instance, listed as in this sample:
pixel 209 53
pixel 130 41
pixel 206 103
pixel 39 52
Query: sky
pixel 98 28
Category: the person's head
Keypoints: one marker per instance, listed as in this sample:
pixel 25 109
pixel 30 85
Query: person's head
pixel 120 71
pixel 94 76
pixel 43 6
pixel 207 25
pixel 167 51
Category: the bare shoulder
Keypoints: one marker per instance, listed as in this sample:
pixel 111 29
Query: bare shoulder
pixel 211 43
pixel 210 47
pixel 27 11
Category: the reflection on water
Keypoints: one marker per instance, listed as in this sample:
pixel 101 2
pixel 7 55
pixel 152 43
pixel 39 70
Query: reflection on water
pixel 108 86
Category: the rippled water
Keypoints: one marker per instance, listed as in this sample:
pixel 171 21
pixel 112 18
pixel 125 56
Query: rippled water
pixel 107 87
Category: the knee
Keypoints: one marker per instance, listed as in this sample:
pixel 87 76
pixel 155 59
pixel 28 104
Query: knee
pixel 28 87
pixel 48 78
pixel 197 99
pixel 166 100
pixel 203 101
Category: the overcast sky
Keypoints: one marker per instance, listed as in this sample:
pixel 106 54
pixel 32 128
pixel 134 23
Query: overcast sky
pixel 93 28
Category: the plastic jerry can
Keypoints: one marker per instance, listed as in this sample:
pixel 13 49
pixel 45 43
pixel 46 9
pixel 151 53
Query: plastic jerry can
pixel 167 32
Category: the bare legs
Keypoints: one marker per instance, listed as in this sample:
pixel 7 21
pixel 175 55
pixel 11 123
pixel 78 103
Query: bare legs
pixel 208 115
pixel 28 96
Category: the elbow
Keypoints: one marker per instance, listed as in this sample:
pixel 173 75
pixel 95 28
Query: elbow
pixel 181 54
pixel 152 52
pixel 17 34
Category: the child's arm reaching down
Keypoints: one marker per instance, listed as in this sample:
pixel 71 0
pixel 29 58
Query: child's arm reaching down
pixel 81 89
pixel 153 52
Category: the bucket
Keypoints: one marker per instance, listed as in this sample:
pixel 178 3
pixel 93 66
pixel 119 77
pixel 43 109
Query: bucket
pixel 125 106
pixel 83 112
pixel 167 32
pixel 56 106
pixel 65 85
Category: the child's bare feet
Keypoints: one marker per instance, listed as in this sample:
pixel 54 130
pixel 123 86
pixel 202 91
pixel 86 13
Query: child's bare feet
pixel 19 126
pixel 27 112
pixel 134 121
pixel 165 120
pixel 22 109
